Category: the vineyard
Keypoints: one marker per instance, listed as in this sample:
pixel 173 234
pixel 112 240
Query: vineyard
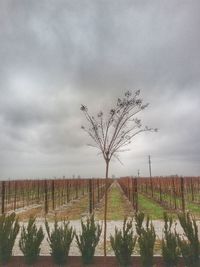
pixel 50 196
pixel 75 199
pixel 172 193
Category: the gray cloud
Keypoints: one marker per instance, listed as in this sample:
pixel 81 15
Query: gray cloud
pixel 56 55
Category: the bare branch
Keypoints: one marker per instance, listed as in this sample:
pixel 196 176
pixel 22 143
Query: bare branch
pixel 119 128
pixel 115 156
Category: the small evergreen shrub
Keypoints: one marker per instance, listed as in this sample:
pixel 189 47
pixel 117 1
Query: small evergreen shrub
pixel 123 243
pixel 88 239
pixel 189 244
pixel 9 228
pixel 60 239
pixel 30 241
pixel 170 251
pixel 146 239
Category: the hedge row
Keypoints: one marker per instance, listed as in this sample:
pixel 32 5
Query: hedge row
pixel 123 241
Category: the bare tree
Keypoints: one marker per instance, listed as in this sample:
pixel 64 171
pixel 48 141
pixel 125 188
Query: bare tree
pixel 112 133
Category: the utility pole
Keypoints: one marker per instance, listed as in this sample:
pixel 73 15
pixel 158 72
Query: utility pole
pixel 150 176
pixel 149 166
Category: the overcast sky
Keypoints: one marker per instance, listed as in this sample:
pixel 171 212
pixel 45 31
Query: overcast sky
pixel 58 54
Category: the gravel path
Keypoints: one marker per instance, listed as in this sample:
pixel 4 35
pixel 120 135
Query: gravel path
pixel 99 251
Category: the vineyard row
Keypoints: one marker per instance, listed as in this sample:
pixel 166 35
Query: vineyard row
pixel 173 193
pixel 50 194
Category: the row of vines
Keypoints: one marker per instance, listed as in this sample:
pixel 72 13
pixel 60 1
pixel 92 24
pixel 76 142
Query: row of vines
pixel 174 193
pixel 49 193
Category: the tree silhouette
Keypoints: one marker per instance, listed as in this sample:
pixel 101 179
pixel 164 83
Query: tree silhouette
pixel 111 133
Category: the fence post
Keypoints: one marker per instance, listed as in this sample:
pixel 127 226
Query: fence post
pixel 3 197
pixel 182 194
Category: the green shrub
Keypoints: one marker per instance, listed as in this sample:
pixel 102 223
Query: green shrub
pixel 60 240
pixel 88 239
pixel 170 251
pixel 146 239
pixel 190 247
pixel 9 228
pixel 30 241
pixel 123 243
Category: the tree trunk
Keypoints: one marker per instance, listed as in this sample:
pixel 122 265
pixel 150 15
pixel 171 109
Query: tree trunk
pixel 105 207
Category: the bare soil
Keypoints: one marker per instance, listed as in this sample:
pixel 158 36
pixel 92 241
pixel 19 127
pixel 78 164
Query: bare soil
pixel 75 261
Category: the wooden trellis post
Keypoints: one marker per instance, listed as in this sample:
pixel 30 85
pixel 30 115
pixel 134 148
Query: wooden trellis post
pixel 182 194
pixel 9 192
pixel 68 185
pixel 90 196
pixel 136 194
pixel 133 193
pixel 83 187
pixel 160 190
pixel 98 195
pixel 53 194
pixel 127 186
pixel 192 189
pixel 15 195
pixel 2 197
pixel 76 188
pixel 93 193
pixel 38 191
pixel 45 197
pixel 174 193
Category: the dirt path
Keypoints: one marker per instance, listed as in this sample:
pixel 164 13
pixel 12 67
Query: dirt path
pixel 118 204
pixel 73 210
